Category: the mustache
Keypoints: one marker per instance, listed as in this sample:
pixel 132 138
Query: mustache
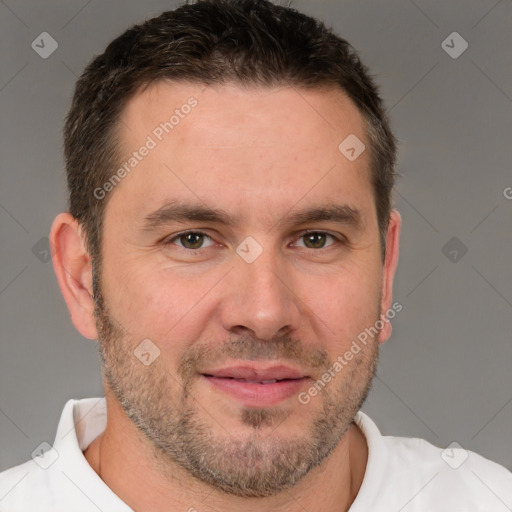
pixel 246 348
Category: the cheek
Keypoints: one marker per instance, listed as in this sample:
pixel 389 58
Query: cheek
pixel 348 303
pixel 161 305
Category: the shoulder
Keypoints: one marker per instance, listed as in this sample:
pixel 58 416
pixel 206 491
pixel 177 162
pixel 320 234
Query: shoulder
pixel 463 479
pixel 27 480
pixel 414 474
pixel 58 475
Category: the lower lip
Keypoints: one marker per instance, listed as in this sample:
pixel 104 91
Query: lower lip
pixel 256 394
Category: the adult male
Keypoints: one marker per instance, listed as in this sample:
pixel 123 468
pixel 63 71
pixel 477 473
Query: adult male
pixel 231 244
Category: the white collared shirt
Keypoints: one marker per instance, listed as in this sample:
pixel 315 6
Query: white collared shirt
pixel 402 474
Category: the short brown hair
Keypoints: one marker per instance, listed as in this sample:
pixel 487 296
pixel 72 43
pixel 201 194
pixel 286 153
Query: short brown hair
pixel 250 42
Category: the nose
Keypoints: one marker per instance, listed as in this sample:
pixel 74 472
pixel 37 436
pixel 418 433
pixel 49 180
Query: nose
pixel 260 298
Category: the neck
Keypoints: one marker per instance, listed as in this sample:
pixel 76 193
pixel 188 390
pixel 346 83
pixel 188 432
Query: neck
pixel 122 459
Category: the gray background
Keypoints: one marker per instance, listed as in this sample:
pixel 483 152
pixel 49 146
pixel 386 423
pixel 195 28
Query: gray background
pixel 445 374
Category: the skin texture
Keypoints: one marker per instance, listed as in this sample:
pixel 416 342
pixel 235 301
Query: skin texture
pixel 172 439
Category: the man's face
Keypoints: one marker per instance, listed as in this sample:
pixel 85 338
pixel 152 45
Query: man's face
pixel 234 306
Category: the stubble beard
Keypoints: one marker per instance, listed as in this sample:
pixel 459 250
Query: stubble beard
pixel 180 432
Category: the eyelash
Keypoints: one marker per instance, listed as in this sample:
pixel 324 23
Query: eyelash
pixel 169 241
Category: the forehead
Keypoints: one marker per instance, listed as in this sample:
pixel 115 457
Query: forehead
pixel 258 150
pixel 320 115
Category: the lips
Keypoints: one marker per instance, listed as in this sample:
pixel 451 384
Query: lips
pixel 254 374
pixel 256 386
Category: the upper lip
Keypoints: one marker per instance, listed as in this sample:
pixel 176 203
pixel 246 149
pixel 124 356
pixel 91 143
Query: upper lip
pixel 254 373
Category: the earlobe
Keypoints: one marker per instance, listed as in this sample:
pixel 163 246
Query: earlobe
pixel 389 268
pixel 72 265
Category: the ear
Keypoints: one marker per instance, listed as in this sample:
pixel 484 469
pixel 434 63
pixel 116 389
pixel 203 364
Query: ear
pixel 72 265
pixel 388 274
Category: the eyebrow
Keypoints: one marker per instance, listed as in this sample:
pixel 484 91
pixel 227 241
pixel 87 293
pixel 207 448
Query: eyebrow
pixel 176 211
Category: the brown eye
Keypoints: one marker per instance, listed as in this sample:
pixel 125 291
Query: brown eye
pixel 192 240
pixel 316 239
